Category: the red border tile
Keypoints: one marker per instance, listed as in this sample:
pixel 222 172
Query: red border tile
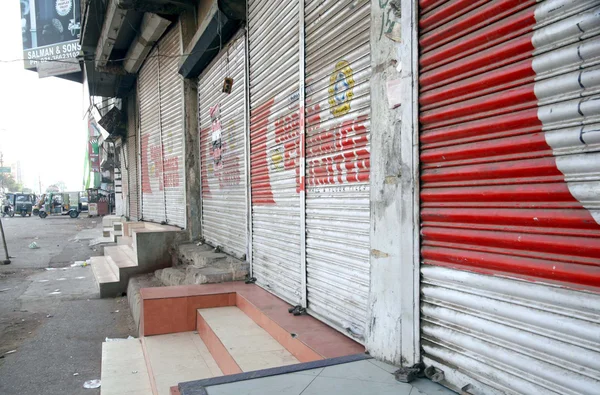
pixel 218 351
pixel 301 351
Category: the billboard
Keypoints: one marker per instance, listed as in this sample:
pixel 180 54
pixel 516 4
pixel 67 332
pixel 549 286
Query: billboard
pixel 93 146
pixel 50 30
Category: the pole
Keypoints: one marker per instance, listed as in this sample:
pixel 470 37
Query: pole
pixel 7 260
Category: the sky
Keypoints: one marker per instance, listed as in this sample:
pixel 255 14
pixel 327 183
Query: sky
pixel 41 119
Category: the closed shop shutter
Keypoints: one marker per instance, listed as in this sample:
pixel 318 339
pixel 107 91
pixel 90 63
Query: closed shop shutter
pixel 171 113
pixel 274 146
pixel 222 135
pixel 338 68
pixel 125 178
pixel 162 133
pixel 153 198
pixel 510 141
pixel 132 173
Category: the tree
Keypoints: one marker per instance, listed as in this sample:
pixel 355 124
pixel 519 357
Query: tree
pixel 9 183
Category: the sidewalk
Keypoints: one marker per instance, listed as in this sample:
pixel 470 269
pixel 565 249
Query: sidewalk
pixel 353 378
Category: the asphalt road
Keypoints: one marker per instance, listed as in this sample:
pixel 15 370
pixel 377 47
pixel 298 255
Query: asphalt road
pixel 51 312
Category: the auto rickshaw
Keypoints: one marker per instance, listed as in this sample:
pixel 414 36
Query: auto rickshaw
pixel 23 203
pixel 59 203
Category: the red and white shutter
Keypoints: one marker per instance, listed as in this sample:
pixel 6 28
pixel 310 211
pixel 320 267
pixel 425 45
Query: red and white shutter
pixel 152 199
pixel 160 95
pixel 510 141
pixel 338 114
pixel 223 151
pixel 273 46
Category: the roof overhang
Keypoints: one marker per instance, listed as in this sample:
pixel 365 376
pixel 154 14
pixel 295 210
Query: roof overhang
pixel 220 24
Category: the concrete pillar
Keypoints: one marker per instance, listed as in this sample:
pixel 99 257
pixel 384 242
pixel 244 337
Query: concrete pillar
pixel 192 152
pixel 393 324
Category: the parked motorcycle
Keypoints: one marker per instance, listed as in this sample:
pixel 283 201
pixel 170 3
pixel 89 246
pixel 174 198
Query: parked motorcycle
pixel 8 210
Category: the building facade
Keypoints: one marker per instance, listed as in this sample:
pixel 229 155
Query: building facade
pixel 421 176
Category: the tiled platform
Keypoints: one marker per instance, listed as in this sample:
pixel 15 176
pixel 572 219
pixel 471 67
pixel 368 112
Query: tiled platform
pixel 124 369
pixel 358 377
pixel 174 309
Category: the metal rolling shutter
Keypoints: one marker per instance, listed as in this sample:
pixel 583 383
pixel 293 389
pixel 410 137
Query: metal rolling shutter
pixel 274 146
pixel 153 203
pixel 132 173
pixel 171 122
pixel 510 139
pixel 222 155
pixel 338 69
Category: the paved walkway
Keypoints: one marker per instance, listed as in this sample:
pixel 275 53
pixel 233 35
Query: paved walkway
pixel 353 378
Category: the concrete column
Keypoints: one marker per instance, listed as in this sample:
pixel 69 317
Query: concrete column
pixel 192 155
pixel 393 324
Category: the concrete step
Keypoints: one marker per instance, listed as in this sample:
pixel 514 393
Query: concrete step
pixel 104 273
pixel 125 240
pixel 222 271
pixel 124 368
pixel 128 250
pixel 106 231
pixel 178 357
pixel 108 220
pixel 122 255
pixel 199 255
pixel 239 344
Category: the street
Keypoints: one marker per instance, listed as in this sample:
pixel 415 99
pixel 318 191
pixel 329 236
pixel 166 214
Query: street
pixel 51 314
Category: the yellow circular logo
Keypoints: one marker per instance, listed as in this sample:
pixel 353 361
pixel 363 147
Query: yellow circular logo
pixel 341 86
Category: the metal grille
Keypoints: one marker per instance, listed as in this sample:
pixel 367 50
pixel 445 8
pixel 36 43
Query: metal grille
pixel 338 69
pixel 275 146
pixel 509 117
pixel 223 155
pixel 132 174
pixel 171 113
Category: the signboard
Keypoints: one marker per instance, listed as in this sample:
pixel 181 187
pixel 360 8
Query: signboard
pixel 50 31
pixel 93 147
pixel 4 169
pixel 50 69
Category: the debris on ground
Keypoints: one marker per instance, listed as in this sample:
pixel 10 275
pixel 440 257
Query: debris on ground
pixel 56 292
pixel 33 245
pixel 91 384
pixel 5 289
pixel 116 311
pixel 75 374
pixel 10 352
pixel 80 263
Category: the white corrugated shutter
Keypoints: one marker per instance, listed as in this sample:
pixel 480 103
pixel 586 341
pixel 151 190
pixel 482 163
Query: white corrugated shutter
pixel 132 176
pixel 274 146
pixel 510 142
pixel 171 113
pixel 222 154
pixel 153 199
pixel 338 69
pixel 162 133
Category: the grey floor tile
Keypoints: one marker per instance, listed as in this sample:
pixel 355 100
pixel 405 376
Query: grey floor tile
pixel 360 370
pixel 332 386
pixel 310 372
pixel 286 384
pixel 428 387
pixel 385 366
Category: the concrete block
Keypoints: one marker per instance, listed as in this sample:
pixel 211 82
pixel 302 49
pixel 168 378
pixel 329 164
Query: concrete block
pixel 134 298
pixel 199 256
